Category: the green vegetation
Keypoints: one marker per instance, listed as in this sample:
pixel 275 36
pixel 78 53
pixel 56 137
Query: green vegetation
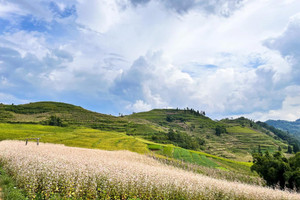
pixel 41 112
pixel 276 169
pixel 283 135
pixel 73 136
pixel 9 189
pixel 233 139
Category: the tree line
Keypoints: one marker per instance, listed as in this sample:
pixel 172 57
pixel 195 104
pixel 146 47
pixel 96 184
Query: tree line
pixel 277 170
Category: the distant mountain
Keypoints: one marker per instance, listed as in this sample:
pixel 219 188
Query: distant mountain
pixel 291 127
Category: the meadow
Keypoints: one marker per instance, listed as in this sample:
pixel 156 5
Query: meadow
pixel 51 171
pixel 73 136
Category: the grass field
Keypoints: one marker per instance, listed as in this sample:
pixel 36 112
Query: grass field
pixel 71 136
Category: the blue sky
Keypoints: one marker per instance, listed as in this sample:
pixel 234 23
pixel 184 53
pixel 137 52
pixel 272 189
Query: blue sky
pixel 227 57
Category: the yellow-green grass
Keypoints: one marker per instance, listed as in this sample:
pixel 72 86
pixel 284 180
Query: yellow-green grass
pixel 197 157
pixel 109 140
pixel 71 136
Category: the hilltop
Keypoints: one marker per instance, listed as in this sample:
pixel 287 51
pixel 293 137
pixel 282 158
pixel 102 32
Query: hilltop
pixel 39 112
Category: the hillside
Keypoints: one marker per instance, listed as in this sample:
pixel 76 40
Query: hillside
pixel 187 128
pixel 237 138
pixel 292 127
pixel 40 112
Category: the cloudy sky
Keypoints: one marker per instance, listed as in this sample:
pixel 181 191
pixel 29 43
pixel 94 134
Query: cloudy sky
pixel 226 57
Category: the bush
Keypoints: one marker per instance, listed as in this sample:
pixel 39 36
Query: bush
pixel 55 121
pixel 220 130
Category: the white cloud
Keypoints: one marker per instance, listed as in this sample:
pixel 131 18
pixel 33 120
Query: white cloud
pixel 98 15
pixel 147 56
pixel 139 106
pixel 10 99
pixel 6 9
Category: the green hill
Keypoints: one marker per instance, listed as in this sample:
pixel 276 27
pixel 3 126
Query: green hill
pixel 188 129
pixel 240 137
pixel 39 112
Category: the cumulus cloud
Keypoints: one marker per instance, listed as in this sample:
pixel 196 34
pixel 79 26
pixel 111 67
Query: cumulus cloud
pixel 219 7
pixel 154 80
pixel 139 106
pixel 221 56
pixel 288 45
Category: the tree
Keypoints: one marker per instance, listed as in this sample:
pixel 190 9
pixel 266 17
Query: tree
pixel 220 129
pixel 289 149
pixel 169 118
pixel 171 135
pixel 55 121
pixel 296 148
pixel 293 176
pixel 259 149
pixel 276 169
pixel 271 167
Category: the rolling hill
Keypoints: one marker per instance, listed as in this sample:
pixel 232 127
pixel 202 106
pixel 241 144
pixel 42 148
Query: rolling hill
pixel 241 137
pixel 185 128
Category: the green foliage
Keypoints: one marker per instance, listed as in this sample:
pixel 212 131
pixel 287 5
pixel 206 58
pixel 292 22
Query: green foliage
pixel 220 129
pixel 184 140
pixel 290 150
pixel 54 121
pixel 276 169
pixel 10 191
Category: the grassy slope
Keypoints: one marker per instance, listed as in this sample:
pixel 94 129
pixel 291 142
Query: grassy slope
pixel 108 140
pixel 70 114
pixel 237 144
pixel 71 136
pixel 240 141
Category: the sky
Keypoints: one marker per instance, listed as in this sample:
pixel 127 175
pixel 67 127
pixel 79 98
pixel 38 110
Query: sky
pixel 228 58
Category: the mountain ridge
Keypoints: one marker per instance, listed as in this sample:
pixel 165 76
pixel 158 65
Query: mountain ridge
pixel 292 127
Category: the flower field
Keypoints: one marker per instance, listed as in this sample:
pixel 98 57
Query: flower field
pixel 55 171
